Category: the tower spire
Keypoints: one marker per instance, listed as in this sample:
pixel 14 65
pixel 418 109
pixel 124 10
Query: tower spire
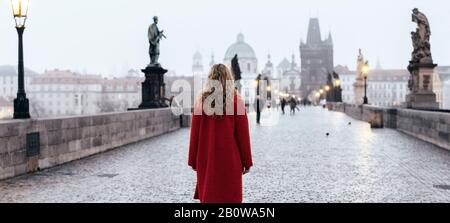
pixel 378 67
pixel 314 36
pixel 330 38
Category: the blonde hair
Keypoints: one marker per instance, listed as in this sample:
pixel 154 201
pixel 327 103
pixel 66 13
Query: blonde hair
pixel 219 73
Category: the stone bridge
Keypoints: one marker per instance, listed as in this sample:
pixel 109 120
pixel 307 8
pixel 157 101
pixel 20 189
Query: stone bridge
pixel 295 161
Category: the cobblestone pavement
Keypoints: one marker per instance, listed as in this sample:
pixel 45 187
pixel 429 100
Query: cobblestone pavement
pixel 294 162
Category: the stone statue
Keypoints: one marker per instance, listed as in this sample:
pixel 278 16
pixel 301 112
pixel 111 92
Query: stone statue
pixel 361 62
pixel 421 66
pixel 236 69
pixel 154 37
pixel 358 86
pixel 421 38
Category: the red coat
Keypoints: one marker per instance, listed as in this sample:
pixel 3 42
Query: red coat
pixel 219 150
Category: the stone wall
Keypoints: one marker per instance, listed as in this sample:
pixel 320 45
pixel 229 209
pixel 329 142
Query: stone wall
pixel 433 127
pixel 70 138
pixel 371 114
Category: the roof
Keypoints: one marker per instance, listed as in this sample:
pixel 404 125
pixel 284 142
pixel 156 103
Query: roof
pixel 343 70
pixel 241 48
pixel 124 83
pixel 389 75
pixel 314 37
pixel 66 77
pixel 8 70
pixel 284 64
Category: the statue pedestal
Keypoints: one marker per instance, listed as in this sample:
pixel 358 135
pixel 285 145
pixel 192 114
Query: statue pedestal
pixel 153 88
pixel 358 90
pixel 421 85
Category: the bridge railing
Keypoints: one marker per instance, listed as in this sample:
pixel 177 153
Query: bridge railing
pixel 430 126
pixel 30 145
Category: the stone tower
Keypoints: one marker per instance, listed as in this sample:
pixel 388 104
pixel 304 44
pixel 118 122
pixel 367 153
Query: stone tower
pixel 316 59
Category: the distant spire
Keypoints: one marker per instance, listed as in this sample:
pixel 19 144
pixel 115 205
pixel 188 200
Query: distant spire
pixel 314 36
pixel 293 64
pixel 378 67
pixel 212 60
pixel 330 38
pixel 240 38
pixel 269 62
pixel 197 63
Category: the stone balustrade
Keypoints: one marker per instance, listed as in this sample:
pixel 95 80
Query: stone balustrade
pixel 35 144
pixel 430 126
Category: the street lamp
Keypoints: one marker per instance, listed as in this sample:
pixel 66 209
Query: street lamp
pixel 21 103
pixel 365 72
pixel 258 99
pixel 327 88
pixel 338 83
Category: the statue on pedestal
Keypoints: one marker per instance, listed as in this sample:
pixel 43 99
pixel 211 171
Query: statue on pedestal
pixel 358 86
pixel 421 66
pixel 154 37
pixel 153 88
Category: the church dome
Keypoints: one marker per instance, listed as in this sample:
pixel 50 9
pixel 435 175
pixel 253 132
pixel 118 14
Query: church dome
pixel 241 48
pixel 197 56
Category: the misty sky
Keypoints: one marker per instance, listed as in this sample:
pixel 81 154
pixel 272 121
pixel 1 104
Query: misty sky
pixel 109 36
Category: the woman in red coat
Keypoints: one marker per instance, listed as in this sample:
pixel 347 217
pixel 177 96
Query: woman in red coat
pixel 219 147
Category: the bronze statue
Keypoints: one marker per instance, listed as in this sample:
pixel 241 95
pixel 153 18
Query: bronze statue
pixel 154 37
pixel 235 68
pixel 421 38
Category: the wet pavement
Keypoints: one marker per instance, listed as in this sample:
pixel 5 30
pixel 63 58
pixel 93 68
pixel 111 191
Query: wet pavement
pixel 294 162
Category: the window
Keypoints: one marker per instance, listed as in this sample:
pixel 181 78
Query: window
pixel 249 67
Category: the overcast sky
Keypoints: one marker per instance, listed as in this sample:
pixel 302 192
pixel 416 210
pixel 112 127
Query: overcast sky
pixel 109 36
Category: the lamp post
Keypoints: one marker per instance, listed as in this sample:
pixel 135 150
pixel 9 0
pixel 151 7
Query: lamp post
pixel 258 99
pixel 21 103
pixel 269 96
pixel 337 91
pixel 365 71
pixel 318 95
pixel 328 96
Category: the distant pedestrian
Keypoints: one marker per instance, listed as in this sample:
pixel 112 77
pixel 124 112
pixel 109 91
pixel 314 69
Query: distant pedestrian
pixel 283 105
pixel 293 104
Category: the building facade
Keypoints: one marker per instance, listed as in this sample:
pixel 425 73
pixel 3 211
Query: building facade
pixel 441 86
pixel 62 92
pixel 290 81
pixel 388 88
pixel 67 93
pixel 316 59
pixel 9 86
pixel 347 80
